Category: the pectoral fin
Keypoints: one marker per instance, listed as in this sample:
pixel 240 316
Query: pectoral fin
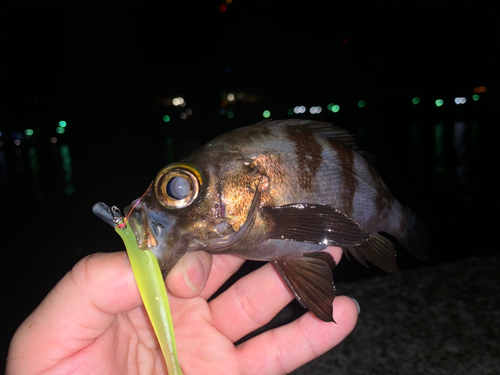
pixel 310 279
pixel 319 224
pixel 378 250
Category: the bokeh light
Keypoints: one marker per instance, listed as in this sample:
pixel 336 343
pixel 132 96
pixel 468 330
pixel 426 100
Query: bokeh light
pixel 29 132
pixel 335 108
pixel 60 130
pixel 266 114
pixel 439 102
pixel 230 115
pixel 415 100
pixel 62 124
pixel 361 103
pixel 166 118
pixel 179 101
pixel 475 97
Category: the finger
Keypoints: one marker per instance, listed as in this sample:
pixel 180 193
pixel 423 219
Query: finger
pixel 223 267
pixel 77 310
pixel 253 301
pixel 293 345
pixel 189 276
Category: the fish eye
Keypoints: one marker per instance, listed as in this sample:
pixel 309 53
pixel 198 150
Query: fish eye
pixel 177 185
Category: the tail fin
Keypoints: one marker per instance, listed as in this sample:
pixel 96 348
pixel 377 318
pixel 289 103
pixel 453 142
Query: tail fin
pixel 415 237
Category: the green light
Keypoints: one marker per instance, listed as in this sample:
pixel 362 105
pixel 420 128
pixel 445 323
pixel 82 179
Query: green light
pixel 329 106
pixel 59 130
pixel 166 118
pixel 28 132
pixel 361 103
pixel 289 111
pixel 62 124
pixel 230 115
pixel 475 97
pixel 439 102
pixel 266 114
pixel 335 108
pixel 415 100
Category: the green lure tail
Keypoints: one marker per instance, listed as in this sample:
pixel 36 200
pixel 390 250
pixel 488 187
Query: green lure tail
pixel 151 286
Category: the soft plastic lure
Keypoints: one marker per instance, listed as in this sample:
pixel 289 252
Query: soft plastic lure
pixel 150 282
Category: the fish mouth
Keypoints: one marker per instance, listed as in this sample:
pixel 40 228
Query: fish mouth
pixel 152 227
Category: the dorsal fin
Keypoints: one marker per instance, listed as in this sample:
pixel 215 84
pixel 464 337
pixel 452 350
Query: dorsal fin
pixel 322 129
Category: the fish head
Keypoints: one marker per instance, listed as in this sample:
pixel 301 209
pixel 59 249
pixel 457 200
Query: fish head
pixel 195 206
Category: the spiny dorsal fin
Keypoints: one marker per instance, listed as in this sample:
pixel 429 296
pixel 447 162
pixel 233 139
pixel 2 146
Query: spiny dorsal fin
pixel 322 129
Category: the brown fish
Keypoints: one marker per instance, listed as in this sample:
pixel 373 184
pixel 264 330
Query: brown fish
pixel 278 191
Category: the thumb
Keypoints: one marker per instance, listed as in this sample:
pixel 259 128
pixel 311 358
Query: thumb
pixel 78 309
pixel 189 276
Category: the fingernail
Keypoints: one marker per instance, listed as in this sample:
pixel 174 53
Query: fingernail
pixel 193 270
pixel 357 305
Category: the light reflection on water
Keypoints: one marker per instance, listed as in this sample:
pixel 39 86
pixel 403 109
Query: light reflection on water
pixel 32 171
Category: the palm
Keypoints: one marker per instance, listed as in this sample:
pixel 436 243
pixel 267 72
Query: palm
pixel 93 322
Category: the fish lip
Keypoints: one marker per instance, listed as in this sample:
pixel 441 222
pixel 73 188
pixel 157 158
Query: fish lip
pixel 152 228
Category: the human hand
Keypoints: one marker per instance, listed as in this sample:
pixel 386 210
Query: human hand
pixel 94 322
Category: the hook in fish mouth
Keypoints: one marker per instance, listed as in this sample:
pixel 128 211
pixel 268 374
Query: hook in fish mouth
pixel 110 215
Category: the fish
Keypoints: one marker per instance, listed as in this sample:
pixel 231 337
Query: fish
pixel 278 191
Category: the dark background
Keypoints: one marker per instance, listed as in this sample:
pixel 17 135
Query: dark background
pixel 111 72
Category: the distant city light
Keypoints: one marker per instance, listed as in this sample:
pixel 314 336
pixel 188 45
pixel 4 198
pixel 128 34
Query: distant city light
pixel 289 111
pixel 223 104
pixel 62 124
pixel 230 97
pixel 299 109
pixel 361 103
pixel 415 100
pixel 460 100
pixel 166 118
pixel 475 97
pixel 179 101
pixel 59 130
pixel 230 115
pixel 184 115
pixel 479 89
pixel 53 140
pixel 329 106
pixel 439 102
pixel 29 132
pixel 335 108
pixel 189 111
pixel 266 114
pixel 17 142
pixel 315 110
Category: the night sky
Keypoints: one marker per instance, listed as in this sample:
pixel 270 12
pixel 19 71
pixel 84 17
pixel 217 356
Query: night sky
pixel 112 61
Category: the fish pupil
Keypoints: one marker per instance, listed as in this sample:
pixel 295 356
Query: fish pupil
pixel 178 187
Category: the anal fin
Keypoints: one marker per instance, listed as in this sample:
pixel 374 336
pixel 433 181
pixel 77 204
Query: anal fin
pixel 377 250
pixel 310 279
